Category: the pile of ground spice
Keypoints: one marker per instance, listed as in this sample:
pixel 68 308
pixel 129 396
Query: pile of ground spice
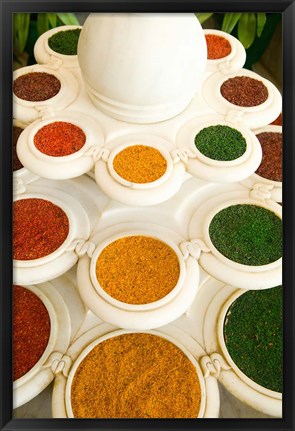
pixel 220 143
pixel 271 163
pixel 140 164
pixel 36 86
pixel 244 91
pixel 65 42
pixel 136 375
pixel 59 139
pixel 253 336
pixel 137 269
pixel 39 228
pixel 278 121
pixel 15 160
pixel 31 330
pixel 217 47
pixel 247 234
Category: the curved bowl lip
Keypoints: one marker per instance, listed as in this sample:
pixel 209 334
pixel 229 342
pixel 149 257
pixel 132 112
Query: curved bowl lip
pixel 220 256
pixel 137 307
pixel 119 332
pixel 232 41
pixel 51 340
pixel 39 68
pixel 221 341
pixel 63 247
pixel 270 128
pixel 248 74
pixel 56 30
pixel 132 141
pixel 62 118
pixel 247 135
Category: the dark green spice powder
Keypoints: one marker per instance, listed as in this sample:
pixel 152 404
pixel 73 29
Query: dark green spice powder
pixel 247 234
pixel 253 336
pixel 65 42
pixel 220 143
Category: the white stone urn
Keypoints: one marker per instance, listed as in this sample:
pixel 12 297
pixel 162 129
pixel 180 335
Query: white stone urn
pixel 142 68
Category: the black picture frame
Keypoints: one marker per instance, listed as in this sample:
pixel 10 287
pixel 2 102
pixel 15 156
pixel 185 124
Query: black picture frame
pixel 8 7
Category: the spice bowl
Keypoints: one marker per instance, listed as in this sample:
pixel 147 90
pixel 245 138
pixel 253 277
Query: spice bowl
pixel 269 173
pixel 41 374
pixel 138 279
pixel 260 103
pixel 54 90
pixel 73 225
pixel 62 146
pixel 44 54
pixel 21 175
pixel 235 251
pixel 221 337
pixel 66 397
pixel 225 52
pixel 138 169
pixel 218 149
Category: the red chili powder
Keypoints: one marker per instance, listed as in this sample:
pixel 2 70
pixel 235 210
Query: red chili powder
pixel 31 330
pixel 59 139
pixel 271 163
pixel 278 121
pixel 36 86
pixel 244 91
pixel 39 228
pixel 217 47
pixel 15 160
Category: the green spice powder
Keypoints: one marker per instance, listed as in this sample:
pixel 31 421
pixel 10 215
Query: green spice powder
pixel 247 234
pixel 65 42
pixel 253 336
pixel 220 143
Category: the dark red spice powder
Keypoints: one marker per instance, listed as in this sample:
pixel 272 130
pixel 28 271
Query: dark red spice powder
pixel 244 91
pixel 278 121
pixel 217 47
pixel 271 164
pixel 31 330
pixel 36 86
pixel 15 160
pixel 39 228
pixel 59 139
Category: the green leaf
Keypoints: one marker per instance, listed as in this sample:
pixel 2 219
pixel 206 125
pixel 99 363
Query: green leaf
pixel 247 29
pixel 261 21
pixel 21 23
pixel 42 23
pixel 52 18
pixel 229 21
pixel 202 17
pixel 68 18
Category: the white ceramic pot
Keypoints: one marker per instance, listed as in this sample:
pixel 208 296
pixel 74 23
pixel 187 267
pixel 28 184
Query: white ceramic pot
pixel 61 397
pixel 235 381
pixel 142 68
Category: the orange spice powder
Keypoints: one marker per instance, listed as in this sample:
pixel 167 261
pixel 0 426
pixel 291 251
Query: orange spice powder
pixel 136 375
pixel 217 47
pixel 137 269
pixel 140 164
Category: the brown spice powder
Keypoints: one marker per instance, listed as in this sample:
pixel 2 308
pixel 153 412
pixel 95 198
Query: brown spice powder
pixel 244 91
pixel 31 330
pixel 136 375
pixel 137 269
pixel 140 164
pixel 15 160
pixel 217 47
pixel 36 86
pixel 39 228
pixel 271 164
